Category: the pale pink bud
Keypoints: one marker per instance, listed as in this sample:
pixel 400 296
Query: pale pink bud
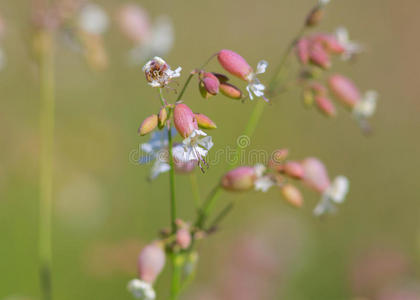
pixel 239 179
pixel 231 91
pixel 319 56
pixel 234 64
pixel 134 23
pixel 184 120
pixel 151 262
pixel 330 43
pixel 210 83
pixel 293 169
pixel 148 125
pixel 292 195
pixel 183 238
pixel 302 50
pixel 316 176
pixel 325 106
pixel 344 90
pixel 204 122
pixel 162 117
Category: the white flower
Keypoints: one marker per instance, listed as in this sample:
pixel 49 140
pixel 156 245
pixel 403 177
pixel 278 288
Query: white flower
pixel 351 48
pixel 335 194
pixel 156 150
pixel 255 87
pixel 263 182
pixel 159 43
pixel 141 289
pixel 194 147
pixel 367 106
pixel 158 72
pixel 93 19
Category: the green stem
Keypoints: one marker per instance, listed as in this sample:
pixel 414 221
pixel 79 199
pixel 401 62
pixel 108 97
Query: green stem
pixel 46 72
pixel 176 277
pixel 207 207
pixel 219 218
pixel 172 182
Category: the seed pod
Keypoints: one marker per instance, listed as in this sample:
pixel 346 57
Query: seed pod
pixel 183 238
pixel 151 262
pixel 292 195
pixel 210 83
pixel 184 120
pixel 231 91
pixel 234 64
pixel 204 122
pixel 148 125
pixel 316 176
pixel 163 116
pixel 325 106
pixel 239 179
pixel 294 169
pixel 344 90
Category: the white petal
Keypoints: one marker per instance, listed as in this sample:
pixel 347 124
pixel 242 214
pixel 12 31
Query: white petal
pixel 259 170
pixel 339 189
pixel 206 142
pixel 324 206
pixel 201 152
pixel 263 184
pixel 342 35
pixel 158 168
pixel 261 67
pixel 141 289
pixel 248 88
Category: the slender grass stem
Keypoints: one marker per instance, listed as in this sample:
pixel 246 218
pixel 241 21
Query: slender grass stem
pixel 46 74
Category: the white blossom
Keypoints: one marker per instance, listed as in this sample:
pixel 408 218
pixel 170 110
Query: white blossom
pixel 263 182
pixel 351 48
pixel 93 19
pixel 158 72
pixel 255 87
pixel 141 289
pixel 333 195
pixel 194 147
pixel 367 106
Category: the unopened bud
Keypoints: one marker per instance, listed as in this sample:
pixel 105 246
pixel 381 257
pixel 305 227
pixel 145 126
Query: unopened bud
pixel 325 106
pixel 221 77
pixel 315 16
pixel 277 159
pixel 148 125
pixel 162 117
pixel 234 64
pixel 231 91
pixel 239 179
pixel 344 90
pixel 293 169
pixel 210 83
pixel 330 42
pixel 292 195
pixel 183 238
pixel 151 262
pixel 315 174
pixel 204 122
pixel 319 56
pixel 184 120
pixel 302 50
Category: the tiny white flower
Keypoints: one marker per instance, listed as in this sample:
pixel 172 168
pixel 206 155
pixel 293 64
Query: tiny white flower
pixel 351 48
pixel 367 106
pixel 255 87
pixel 194 147
pixel 259 169
pixel 93 19
pixel 263 182
pixel 158 72
pixel 335 194
pixel 141 290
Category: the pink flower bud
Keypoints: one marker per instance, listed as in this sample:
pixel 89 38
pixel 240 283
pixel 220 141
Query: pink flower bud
pixel 210 83
pixel 330 43
pixel 231 91
pixel 184 120
pixel 315 16
pixel 151 262
pixel 292 195
pixel 183 238
pixel 134 23
pixel 318 89
pixel 162 117
pixel 148 125
pixel 325 106
pixel 239 179
pixel 319 56
pixel 316 176
pixel 234 64
pixel 344 90
pixel 302 50
pixel 277 159
pixel 204 122
pixel 293 169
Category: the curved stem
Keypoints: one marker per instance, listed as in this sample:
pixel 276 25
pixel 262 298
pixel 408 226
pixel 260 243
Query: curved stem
pixel 46 69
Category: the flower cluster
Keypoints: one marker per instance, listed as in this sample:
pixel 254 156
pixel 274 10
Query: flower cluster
pixel 279 172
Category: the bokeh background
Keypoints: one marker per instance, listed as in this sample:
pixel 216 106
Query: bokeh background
pixel 105 210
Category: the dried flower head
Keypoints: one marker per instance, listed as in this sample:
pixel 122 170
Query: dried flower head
pixel 158 72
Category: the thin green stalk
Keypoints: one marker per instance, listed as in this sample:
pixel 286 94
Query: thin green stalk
pixel 46 73
pixel 207 207
pixel 176 277
pixel 219 218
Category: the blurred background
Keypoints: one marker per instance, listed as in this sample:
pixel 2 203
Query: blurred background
pixel 105 210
